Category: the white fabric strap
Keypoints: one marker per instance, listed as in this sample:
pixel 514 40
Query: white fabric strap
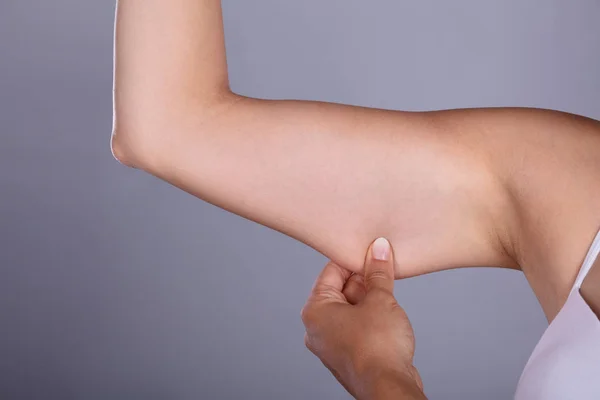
pixel 589 260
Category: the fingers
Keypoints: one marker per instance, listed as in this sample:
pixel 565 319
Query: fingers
pixel 331 281
pixel 354 290
pixel 327 290
pixel 379 267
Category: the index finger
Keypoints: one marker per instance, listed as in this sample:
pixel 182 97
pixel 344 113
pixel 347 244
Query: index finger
pixel 331 281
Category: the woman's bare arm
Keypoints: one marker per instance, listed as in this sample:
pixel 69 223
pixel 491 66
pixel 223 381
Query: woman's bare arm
pixel 326 174
pixel 447 188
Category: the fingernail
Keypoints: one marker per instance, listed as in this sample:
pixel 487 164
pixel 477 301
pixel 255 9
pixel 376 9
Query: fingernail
pixel 381 249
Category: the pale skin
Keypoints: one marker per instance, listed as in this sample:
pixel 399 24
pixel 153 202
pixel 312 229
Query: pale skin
pixel 506 187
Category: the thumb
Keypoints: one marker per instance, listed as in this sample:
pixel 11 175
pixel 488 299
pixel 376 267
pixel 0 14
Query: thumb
pixel 379 266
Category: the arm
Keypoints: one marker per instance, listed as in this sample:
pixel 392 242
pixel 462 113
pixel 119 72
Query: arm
pixel 449 189
pixel 325 174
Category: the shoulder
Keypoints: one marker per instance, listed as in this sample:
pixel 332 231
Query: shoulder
pixel 549 164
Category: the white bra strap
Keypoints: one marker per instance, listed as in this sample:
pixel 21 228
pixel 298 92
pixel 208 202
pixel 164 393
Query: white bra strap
pixel 589 260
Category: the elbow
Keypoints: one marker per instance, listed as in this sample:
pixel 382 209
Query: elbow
pixel 120 151
pixel 125 139
pixel 124 150
pixel 139 136
pixel 136 129
pixel 133 144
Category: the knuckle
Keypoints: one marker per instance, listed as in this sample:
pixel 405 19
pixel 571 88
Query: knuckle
pixel 307 315
pixel 326 292
pixel 377 275
pixel 308 343
pixel 381 295
pixel 304 314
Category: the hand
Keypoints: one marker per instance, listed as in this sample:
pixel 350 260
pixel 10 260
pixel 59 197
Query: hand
pixel 360 333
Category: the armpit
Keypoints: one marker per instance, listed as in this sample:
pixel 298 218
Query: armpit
pixel 590 289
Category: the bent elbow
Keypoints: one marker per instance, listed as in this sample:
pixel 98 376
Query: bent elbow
pixel 142 134
pixel 122 151
pixel 133 145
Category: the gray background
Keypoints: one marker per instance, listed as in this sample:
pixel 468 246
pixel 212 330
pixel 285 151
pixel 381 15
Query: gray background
pixel 115 285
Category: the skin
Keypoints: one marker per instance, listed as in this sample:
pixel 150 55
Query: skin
pixel 505 187
pixel 590 288
pixel 510 188
pixel 372 354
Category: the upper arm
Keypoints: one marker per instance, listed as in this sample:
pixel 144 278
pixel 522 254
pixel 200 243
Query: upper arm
pixel 514 188
pixel 336 177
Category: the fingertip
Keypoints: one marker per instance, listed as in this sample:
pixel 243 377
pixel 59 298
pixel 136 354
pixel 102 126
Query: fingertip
pixel 381 249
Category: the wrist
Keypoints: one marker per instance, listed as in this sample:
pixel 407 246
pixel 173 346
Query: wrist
pixel 393 384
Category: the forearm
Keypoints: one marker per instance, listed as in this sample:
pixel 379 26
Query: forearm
pixel 170 48
pixel 168 54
